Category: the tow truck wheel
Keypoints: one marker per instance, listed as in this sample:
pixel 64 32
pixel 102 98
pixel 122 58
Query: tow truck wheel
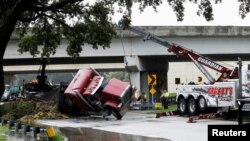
pixel 202 104
pixel 192 107
pixel 182 106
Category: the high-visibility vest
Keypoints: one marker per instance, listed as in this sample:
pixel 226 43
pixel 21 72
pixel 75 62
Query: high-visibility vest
pixel 166 95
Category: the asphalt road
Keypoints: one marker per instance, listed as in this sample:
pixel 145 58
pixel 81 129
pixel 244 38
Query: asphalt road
pixel 173 128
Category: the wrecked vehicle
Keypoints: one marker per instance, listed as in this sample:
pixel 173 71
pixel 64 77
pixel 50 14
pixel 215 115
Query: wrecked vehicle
pixel 7 94
pixel 92 93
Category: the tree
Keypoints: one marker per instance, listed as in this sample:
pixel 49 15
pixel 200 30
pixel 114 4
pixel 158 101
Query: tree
pixel 123 76
pixel 41 24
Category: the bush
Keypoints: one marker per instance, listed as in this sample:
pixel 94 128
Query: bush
pixel 17 109
pixel 28 111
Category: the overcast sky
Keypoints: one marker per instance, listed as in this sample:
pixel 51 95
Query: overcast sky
pixel 225 14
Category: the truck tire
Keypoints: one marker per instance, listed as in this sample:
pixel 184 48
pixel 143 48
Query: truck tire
pixel 107 112
pixel 182 106
pixel 116 114
pixel 202 104
pixel 192 107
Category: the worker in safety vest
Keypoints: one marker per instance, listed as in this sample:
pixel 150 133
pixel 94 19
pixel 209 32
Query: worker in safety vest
pixel 144 97
pixel 164 99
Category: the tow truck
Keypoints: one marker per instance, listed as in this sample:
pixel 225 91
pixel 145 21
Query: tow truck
pixel 230 90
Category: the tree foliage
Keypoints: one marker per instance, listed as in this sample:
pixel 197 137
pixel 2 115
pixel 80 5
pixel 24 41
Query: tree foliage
pixel 244 8
pixel 123 76
pixel 78 22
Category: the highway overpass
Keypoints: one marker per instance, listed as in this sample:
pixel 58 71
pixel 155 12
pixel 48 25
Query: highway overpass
pixel 220 43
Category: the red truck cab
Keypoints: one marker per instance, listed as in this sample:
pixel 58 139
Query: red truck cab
pixel 93 94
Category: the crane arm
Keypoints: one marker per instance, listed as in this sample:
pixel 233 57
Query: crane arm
pixel 150 36
pixel 185 52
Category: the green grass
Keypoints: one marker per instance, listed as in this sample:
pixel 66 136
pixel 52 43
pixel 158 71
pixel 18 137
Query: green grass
pixel 3 129
pixel 3 138
pixel 172 107
pixel 58 137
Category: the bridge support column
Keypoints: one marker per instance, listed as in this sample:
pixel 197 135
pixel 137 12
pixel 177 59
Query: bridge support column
pixel 140 68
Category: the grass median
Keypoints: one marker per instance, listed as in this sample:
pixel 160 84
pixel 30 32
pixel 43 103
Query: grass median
pixel 170 108
pixel 3 129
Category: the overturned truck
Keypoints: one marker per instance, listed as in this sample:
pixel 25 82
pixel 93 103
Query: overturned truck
pixel 95 95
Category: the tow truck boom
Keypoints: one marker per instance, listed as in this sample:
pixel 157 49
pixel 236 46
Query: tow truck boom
pixel 197 59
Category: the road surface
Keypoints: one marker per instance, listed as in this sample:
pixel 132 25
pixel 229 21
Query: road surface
pixel 173 128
